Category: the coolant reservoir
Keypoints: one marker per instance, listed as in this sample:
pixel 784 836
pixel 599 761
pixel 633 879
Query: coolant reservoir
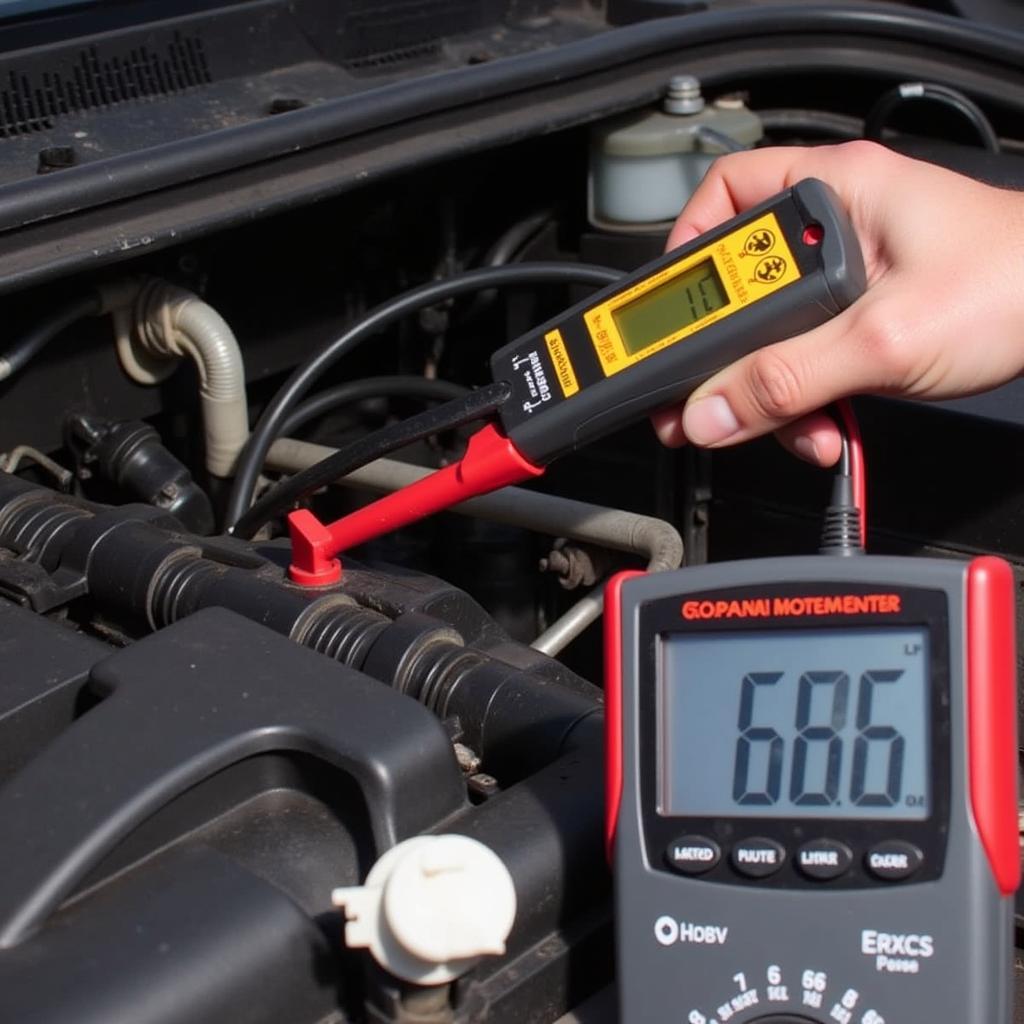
pixel 644 166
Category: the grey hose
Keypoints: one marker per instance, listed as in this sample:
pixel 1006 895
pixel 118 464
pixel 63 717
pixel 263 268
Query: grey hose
pixel 657 541
pixel 179 323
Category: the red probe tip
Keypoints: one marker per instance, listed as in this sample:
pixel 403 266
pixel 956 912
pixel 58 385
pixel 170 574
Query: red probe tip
pixel 491 461
pixel 313 564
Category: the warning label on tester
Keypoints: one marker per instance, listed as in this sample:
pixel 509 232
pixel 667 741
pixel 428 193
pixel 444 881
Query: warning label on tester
pixel 563 367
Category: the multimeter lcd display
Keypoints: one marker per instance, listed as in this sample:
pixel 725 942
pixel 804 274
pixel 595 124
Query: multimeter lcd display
pixel 670 307
pixel 795 723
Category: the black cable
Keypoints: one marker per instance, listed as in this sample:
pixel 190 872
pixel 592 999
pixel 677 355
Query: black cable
pixel 716 138
pixel 952 98
pixel 800 122
pixel 30 344
pixel 841 532
pixel 370 387
pixel 513 238
pixel 476 405
pixel 818 122
pixel 502 252
pixel 250 460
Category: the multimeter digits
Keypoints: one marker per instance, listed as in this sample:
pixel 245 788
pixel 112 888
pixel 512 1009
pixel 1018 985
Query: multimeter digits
pixel 827 723
pixel 811 786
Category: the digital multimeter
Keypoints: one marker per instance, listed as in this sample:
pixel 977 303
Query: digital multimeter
pixel 812 807
pixel 778 269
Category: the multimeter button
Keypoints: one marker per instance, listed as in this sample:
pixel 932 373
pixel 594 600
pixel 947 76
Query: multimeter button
pixel 822 859
pixel 894 860
pixel 758 857
pixel 693 855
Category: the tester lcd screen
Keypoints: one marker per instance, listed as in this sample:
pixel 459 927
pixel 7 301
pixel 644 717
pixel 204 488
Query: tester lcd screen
pixel 795 724
pixel 670 307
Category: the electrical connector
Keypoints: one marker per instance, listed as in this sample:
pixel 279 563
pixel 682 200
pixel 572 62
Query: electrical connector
pixel 841 532
pixel 844 529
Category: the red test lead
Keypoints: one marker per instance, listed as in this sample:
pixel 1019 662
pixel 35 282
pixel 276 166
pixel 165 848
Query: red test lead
pixel 491 461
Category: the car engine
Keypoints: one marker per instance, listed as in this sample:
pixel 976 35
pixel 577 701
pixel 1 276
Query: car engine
pixel 222 218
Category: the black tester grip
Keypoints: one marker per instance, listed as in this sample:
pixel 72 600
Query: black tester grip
pixel 775 271
pixel 812 791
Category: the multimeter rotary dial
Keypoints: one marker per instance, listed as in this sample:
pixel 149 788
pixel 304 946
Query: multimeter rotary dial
pixel 792 994
pixel 783 1020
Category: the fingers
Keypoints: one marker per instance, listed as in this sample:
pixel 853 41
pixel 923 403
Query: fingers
pixel 860 172
pixel 863 349
pixel 912 333
pixel 738 181
pixel 815 439
pixel 668 425
pixel 860 350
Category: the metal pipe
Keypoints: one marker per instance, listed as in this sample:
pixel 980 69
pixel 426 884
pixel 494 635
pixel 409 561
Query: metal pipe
pixel 655 539
pixel 564 630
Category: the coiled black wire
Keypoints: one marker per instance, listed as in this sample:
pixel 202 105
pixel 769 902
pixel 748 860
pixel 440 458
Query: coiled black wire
pixel 952 98
pixel 251 458
pixel 798 121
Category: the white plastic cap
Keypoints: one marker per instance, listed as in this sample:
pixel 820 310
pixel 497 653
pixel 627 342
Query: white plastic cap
pixel 431 907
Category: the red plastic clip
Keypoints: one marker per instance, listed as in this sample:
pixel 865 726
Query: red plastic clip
pixel 313 561
pixel 491 461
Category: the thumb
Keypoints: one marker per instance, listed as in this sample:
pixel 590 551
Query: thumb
pixel 781 382
pixel 683 231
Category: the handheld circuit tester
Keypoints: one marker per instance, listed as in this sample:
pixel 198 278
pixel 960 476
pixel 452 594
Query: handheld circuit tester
pixel 812 808
pixel 776 270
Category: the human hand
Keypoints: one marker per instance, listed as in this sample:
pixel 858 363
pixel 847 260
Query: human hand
pixel 943 315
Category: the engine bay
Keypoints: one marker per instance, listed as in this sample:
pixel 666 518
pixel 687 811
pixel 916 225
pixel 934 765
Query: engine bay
pixel 196 202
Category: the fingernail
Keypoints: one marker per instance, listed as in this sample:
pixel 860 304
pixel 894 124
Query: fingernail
pixel 709 420
pixel 807 449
